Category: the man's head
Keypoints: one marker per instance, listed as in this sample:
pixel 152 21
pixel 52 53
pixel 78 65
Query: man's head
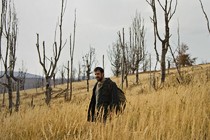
pixel 99 73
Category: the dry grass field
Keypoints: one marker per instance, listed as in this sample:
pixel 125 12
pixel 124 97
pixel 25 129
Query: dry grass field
pixel 173 112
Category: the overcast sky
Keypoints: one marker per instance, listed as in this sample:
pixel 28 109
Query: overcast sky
pixel 98 22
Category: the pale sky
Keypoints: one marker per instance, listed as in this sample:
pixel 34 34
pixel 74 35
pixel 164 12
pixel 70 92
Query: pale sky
pixel 98 22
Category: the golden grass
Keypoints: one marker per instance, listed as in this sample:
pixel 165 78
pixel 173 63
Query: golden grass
pixel 173 112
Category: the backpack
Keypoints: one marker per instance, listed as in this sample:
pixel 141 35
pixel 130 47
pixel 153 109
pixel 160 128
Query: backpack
pixel 122 99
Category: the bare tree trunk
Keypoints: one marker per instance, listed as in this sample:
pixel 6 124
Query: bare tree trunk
pixel 137 75
pixel 150 73
pixel 72 46
pixel 163 66
pixel 42 83
pixel 71 80
pixel 62 77
pixel 122 73
pixel 48 91
pixel 79 72
pixel 87 85
pixel 177 67
pixel 126 79
pixel 54 80
pixel 123 59
pixel 169 66
pixel 88 78
pixel 17 97
pixel 126 75
pixel 10 94
pixel 68 81
pixel 3 3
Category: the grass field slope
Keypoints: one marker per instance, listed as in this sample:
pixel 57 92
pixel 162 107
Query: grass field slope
pixel 175 111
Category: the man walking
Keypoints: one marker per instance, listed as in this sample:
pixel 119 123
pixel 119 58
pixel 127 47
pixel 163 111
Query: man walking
pixel 104 98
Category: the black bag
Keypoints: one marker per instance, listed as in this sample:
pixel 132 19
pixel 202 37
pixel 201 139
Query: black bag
pixel 122 99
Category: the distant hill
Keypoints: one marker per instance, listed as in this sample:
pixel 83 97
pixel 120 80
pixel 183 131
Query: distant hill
pixel 28 75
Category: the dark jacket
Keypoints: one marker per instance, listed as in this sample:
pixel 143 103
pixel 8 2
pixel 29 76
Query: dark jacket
pixel 108 100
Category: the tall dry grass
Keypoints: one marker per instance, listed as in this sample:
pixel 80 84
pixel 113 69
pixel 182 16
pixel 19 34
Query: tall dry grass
pixel 173 112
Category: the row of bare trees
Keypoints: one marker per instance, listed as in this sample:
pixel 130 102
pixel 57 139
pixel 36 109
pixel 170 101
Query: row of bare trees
pixel 89 60
pixel 9 34
pixel 169 8
pixel 126 56
pixel 49 71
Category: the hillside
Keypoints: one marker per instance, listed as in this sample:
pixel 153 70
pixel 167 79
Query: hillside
pixel 175 111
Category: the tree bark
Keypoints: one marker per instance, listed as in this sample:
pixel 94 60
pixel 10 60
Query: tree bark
pixel 71 79
pixel 10 94
pixel 163 65
pixel 17 97
pixel 54 80
pixel 48 91
pixel 137 75
pixel 68 81
pixel 88 78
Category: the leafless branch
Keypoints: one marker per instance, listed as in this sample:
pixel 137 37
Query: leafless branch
pixel 161 5
pixel 205 14
pixel 174 11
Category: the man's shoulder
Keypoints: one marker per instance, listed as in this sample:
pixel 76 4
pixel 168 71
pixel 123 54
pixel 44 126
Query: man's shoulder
pixel 109 81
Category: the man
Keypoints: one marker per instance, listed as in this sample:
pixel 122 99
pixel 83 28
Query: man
pixel 104 97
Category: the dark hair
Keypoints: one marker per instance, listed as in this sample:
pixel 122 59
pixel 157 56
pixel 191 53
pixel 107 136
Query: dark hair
pixel 99 69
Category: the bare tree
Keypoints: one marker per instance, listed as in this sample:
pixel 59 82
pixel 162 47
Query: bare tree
pixel 62 72
pixel 114 54
pixel 72 46
pixel 2 22
pixel 54 80
pixel 10 24
pixel 146 63
pixel 66 96
pixel 174 58
pixel 89 59
pixel 22 76
pixel 168 12
pixel 124 63
pixel 206 16
pixel 57 49
pixel 79 71
pixel 20 82
pixel 137 44
pixel 125 59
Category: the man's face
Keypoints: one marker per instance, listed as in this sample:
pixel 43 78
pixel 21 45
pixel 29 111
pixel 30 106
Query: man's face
pixel 99 76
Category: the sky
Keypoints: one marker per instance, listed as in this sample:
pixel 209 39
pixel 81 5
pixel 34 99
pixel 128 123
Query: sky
pixel 98 22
